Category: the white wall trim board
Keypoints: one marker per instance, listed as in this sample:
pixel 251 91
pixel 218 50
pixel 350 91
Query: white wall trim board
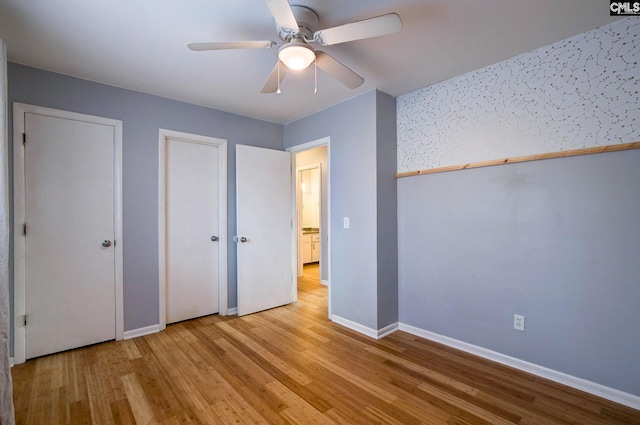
pixel 364 330
pixel 309 145
pixel 147 330
pixel 233 311
pixel 325 282
pixel 388 330
pixel 596 389
pixel 12 362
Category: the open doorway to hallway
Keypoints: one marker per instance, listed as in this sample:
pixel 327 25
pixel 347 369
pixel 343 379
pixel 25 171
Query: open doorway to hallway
pixel 311 205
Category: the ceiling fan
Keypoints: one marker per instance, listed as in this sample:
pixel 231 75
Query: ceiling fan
pixel 297 28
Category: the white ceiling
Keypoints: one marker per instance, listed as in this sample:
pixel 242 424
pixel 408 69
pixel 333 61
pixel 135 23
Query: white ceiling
pixel 141 45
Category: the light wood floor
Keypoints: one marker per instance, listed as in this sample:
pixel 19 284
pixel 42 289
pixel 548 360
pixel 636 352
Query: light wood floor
pixel 290 365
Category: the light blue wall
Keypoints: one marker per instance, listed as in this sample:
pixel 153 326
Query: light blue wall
pixel 387 211
pixel 358 130
pixel 143 115
pixel 363 188
pixel 556 240
pixel 351 126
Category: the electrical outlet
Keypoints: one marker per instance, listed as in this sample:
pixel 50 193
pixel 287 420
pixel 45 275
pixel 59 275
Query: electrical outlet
pixel 518 322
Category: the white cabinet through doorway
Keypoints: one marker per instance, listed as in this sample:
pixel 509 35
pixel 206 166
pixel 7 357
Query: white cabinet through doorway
pixel 310 248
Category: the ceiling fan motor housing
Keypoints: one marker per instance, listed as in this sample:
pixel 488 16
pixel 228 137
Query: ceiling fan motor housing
pixel 307 24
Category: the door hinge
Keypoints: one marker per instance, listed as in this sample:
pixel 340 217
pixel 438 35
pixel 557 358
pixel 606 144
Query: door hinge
pixel 25 320
pixel 24 229
pixel 24 139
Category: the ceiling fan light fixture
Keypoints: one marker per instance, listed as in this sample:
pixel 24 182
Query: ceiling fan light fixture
pixel 296 55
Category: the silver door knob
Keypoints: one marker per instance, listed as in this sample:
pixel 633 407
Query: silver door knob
pixel 243 239
pixel 106 243
pixel 214 238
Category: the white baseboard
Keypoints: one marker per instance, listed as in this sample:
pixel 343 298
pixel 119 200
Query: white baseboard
pixel 371 333
pixel 599 390
pixel 135 333
pixel 388 330
pixel 325 282
pixel 12 362
pixel 232 311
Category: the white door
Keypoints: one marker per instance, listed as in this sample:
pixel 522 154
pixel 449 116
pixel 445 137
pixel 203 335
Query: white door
pixel 192 229
pixel 264 229
pixel 70 286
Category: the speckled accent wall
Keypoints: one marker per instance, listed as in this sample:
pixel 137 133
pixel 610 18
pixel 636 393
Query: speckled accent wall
pixel 578 93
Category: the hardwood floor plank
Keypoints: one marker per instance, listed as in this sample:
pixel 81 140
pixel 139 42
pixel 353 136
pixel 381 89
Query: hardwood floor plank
pixel 355 379
pixel 131 349
pixel 80 413
pixel 284 367
pixel 122 414
pixel 99 397
pixel 291 365
pixel 137 399
pixel 557 409
pixel 158 388
pixel 299 410
pixel 467 407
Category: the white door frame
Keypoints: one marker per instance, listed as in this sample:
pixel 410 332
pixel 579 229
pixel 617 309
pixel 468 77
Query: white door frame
pixel 325 141
pixel 162 217
pixel 19 254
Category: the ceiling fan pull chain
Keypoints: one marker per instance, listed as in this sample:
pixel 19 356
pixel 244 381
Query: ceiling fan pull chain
pixel 278 91
pixel 315 75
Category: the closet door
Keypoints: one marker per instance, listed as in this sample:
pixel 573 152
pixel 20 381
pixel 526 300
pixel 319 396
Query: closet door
pixel 70 287
pixel 192 229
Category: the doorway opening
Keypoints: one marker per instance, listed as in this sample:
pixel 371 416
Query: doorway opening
pixel 309 209
pixel 311 204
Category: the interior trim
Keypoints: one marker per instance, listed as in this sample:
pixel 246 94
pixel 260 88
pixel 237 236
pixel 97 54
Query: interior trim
pixel 526 158
pixel 147 330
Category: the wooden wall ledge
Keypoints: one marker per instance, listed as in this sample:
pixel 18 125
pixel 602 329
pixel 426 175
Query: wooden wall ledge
pixel 526 158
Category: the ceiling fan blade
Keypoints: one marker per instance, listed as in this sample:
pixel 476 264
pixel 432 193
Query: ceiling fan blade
pixel 372 27
pixel 282 13
pixel 271 86
pixel 224 45
pixel 337 70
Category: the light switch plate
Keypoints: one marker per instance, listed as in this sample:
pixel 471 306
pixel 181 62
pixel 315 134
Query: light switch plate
pixel 345 222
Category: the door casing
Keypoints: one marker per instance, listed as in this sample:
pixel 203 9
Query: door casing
pixel 19 214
